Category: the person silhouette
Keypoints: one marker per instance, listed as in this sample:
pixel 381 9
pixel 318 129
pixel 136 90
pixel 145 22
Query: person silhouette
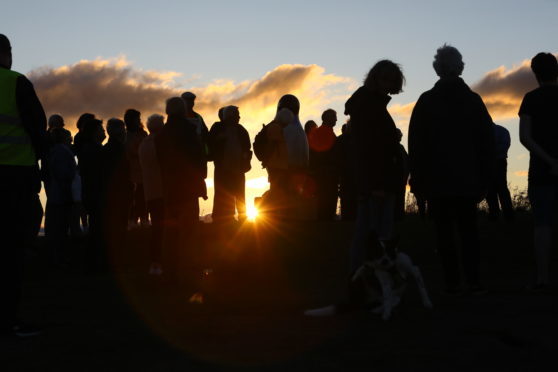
pixel 322 142
pixel 451 149
pixel 498 189
pixel 538 132
pixel 229 144
pixel 182 162
pixel 376 146
pixel 23 142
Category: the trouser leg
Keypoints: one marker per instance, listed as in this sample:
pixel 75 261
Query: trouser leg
pixel 469 235
pixel 444 220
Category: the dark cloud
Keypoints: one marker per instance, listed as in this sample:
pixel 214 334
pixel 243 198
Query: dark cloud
pixel 108 87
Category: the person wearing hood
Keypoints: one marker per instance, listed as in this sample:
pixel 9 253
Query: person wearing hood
pixel 376 146
pixel 451 153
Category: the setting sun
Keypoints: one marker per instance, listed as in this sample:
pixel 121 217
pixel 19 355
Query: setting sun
pixel 251 213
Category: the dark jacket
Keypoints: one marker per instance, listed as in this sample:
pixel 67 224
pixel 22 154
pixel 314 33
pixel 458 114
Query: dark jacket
pixel 181 158
pixel 60 173
pixel 115 168
pixel 217 141
pixel 91 172
pixel 451 142
pixel 376 141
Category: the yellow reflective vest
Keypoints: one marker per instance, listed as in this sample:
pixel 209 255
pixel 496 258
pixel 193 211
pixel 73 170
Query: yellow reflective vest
pixel 15 143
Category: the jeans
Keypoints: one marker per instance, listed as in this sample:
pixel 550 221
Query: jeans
pixel 374 213
pixel 499 191
pixel 457 213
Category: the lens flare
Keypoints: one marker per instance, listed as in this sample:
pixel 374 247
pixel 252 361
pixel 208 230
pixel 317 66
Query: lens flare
pixel 252 213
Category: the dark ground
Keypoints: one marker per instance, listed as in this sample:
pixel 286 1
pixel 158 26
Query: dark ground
pixel 251 318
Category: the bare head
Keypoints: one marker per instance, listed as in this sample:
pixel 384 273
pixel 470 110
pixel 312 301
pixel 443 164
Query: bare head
pixel 545 68
pixel 132 119
pixel 309 126
pixel 5 52
pixel 189 99
pixel 448 62
pixel 385 77
pixel 329 117
pixel 116 130
pixel 175 107
pixel 155 123
pixel 231 115
pixel 55 121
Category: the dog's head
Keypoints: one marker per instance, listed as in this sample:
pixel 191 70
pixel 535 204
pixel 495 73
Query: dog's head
pixel 381 254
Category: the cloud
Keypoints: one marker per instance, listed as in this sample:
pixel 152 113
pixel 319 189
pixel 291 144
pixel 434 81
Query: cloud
pixel 107 87
pixel 502 89
pixel 104 87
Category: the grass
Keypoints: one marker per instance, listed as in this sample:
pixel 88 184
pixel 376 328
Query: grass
pixel 263 277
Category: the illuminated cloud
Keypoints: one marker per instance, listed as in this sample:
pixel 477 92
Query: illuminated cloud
pixel 104 87
pixel 107 87
pixel 502 89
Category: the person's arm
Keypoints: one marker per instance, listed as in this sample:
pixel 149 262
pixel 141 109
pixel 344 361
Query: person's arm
pixel 32 116
pixel 526 139
pixel 417 145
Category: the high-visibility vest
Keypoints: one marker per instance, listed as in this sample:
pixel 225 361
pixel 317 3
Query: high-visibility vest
pixel 15 143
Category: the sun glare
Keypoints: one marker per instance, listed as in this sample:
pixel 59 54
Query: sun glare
pixel 252 213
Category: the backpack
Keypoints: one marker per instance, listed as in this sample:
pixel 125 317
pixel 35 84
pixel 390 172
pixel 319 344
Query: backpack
pixel 262 148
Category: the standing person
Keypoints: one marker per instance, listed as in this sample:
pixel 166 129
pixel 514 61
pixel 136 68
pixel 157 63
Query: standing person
pixel 153 190
pixel 229 143
pixel 55 121
pixel 182 161
pixel 322 143
pixel 202 133
pixel 498 188
pixel 298 155
pixel 451 156
pixel 78 140
pixel 23 141
pixel 538 132
pixel 376 147
pixel 346 167
pixel 91 172
pixel 134 135
pixel 117 188
pixel 62 170
pixel 278 163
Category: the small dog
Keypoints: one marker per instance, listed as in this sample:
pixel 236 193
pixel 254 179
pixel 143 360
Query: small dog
pixel 381 279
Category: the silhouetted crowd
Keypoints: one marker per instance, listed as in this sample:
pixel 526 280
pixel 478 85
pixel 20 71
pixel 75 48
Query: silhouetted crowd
pixel 457 157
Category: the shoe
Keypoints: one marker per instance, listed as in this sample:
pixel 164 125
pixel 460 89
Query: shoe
pixel 478 290
pixel 26 330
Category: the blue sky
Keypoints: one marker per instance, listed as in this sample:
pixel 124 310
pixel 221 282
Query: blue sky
pixel 214 41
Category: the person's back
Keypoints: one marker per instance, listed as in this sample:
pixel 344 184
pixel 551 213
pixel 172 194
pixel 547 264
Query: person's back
pixel 538 132
pixel 453 141
pixel 180 157
pixel 23 142
pixel 540 105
